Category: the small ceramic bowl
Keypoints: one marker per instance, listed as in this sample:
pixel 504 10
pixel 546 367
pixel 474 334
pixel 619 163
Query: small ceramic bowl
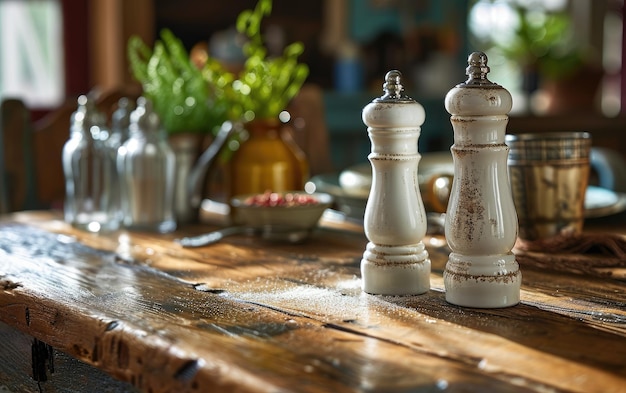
pixel 288 216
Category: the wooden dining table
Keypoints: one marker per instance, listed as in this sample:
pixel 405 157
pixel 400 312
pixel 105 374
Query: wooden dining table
pixel 137 312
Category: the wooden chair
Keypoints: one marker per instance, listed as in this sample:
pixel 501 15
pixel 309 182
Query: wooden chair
pixel 17 184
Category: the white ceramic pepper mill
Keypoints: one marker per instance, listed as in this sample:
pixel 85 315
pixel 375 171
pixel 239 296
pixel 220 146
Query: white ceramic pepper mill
pixel 481 221
pixel 395 261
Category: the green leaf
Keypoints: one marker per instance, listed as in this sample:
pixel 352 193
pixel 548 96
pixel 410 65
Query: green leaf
pixel 206 97
pixel 185 97
pixel 272 82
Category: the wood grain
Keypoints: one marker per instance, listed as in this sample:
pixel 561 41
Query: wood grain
pixel 63 373
pixel 247 315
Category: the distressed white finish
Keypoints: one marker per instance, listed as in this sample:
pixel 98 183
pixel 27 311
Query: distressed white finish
pixel 395 261
pixel 481 221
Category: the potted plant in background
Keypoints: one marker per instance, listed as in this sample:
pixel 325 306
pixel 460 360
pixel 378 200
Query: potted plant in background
pixel 267 158
pixel 539 39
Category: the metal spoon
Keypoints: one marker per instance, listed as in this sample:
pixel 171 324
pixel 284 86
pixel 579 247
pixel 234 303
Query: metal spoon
pixel 211 237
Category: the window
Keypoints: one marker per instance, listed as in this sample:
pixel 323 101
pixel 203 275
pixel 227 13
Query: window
pixel 31 52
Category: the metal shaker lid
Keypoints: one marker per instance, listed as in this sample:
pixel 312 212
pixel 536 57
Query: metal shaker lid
pixel 143 117
pixel 86 114
pixel 121 116
pixel 478 96
pixel 476 71
pixel 393 108
pixel 393 89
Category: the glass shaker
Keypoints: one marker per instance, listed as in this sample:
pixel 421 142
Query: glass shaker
pixel 89 170
pixel 146 167
pixel 120 121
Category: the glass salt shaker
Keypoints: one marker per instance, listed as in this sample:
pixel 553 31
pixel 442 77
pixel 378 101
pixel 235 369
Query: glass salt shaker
pixel 145 164
pixel 89 171
pixel 120 121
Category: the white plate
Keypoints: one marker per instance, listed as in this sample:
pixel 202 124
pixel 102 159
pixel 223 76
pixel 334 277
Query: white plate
pixel 600 202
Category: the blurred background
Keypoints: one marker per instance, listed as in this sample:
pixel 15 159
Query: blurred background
pixel 563 60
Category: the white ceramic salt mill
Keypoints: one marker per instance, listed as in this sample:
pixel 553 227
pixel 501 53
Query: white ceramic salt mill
pixel 481 221
pixel 395 261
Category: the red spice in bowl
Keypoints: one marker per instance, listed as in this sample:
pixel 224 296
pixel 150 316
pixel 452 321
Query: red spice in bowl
pixel 289 199
pixel 290 215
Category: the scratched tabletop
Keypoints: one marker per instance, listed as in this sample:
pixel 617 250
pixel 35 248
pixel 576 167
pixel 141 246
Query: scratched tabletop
pixel 248 315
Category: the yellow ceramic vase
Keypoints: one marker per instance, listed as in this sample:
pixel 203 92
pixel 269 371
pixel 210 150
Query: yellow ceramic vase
pixel 269 160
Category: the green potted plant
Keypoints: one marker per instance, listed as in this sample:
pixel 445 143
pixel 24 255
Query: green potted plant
pixel 187 99
pixel 542 43
pixel 266 85
pixel 267 159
